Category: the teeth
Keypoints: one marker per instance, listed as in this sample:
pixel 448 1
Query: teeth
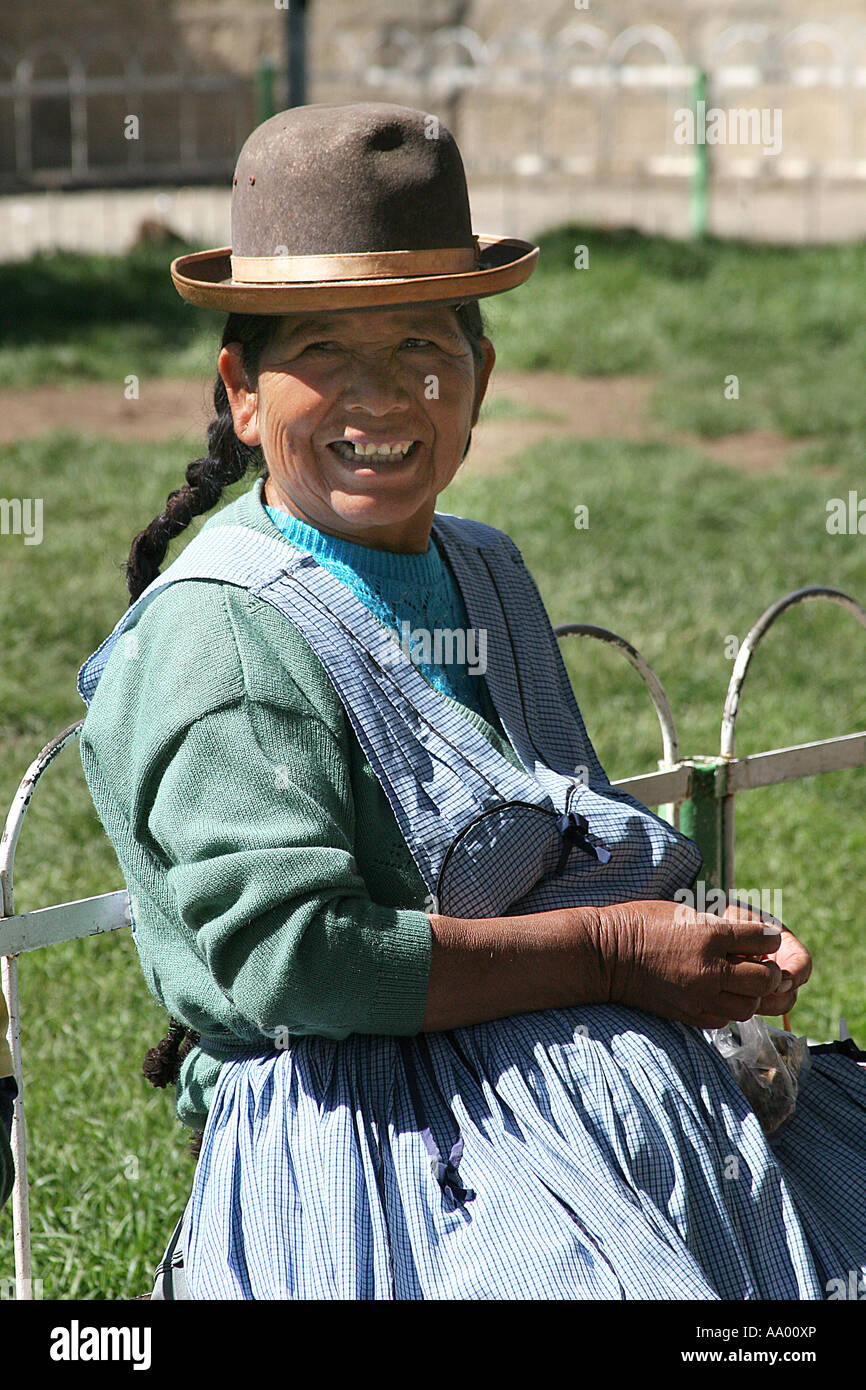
pixel 401 447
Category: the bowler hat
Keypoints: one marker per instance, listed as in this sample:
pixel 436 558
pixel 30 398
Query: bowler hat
pixel 350 206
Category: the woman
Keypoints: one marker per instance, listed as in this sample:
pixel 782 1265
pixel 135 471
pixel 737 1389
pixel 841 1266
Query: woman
pixel 446 1012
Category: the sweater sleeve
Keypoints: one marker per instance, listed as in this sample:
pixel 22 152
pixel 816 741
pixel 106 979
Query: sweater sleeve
pixel 254 814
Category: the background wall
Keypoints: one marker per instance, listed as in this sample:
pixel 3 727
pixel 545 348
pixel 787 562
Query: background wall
pixel 560 112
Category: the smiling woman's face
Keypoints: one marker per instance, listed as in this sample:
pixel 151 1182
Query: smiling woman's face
pixel 364 377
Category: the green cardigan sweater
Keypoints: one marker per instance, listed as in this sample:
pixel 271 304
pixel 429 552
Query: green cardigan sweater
pixel 270 885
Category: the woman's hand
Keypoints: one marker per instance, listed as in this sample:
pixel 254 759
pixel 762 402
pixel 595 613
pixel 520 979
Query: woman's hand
pixel 660 956
pixel 796 966
pixel 792 958
pixel 693 966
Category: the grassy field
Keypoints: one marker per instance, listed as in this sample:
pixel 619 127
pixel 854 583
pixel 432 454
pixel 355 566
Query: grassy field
pixel 786 321
pixel 680 555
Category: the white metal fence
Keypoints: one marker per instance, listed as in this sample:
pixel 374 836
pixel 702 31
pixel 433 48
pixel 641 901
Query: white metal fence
pixel 96 115
pixel 578 103
pixel 585 102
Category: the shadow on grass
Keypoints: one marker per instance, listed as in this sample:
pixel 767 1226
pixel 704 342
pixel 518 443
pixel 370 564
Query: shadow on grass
pixel 57 292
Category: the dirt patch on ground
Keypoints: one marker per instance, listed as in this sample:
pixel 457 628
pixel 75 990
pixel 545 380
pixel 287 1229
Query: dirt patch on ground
pixel 524 408
pixel 164 407
pixel 610 407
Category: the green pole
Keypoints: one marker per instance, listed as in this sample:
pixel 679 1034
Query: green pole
pixel 700 819
pixel 700 178
pixel 266 107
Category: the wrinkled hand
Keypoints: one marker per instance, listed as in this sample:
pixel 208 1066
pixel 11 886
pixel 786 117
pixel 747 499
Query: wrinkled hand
pixel 792 958
pixel 693 966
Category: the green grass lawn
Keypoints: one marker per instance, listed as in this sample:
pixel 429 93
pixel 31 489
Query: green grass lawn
pixel 786 321
pixel 679 555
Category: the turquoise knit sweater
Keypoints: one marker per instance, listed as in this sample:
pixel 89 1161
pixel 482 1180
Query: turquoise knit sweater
pixel 271 887
pixel 398 588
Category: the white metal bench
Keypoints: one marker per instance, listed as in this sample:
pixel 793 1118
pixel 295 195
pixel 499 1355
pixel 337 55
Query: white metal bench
pixel 696 793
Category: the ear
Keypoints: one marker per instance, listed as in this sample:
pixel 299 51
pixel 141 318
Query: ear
pixel 243 401
pixel 482 376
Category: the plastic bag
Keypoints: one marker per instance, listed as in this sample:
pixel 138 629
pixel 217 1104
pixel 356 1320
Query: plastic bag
pixel 768 1066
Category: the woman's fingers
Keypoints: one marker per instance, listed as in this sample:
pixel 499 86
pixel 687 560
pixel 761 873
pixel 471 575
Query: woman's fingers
pixel 794 959
pixel 726 1009
pixel 782 1002
pixel 791 956
pixel 747 937
pixel 752 979
pixel 743 911
pixel 737 1008
pixel 772 1008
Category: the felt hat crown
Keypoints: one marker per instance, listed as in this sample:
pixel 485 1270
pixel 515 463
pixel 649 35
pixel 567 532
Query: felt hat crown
pixel 349 206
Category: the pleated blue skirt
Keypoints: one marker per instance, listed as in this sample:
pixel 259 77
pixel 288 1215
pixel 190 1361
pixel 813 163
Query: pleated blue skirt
pixel 591 1153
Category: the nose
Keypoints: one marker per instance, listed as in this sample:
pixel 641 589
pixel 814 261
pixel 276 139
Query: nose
pixel 374 386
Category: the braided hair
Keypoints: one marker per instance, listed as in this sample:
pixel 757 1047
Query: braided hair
pixel 227 460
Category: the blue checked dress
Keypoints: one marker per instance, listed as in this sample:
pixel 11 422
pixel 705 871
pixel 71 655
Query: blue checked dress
pixel 589 1153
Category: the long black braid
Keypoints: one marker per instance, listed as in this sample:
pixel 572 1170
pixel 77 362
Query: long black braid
pixel 227 461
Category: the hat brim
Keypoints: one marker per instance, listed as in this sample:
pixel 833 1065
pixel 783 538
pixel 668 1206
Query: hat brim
pixel 205 278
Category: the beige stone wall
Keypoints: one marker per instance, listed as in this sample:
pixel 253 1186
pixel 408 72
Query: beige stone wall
pixel 613 146
pixel 236 34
